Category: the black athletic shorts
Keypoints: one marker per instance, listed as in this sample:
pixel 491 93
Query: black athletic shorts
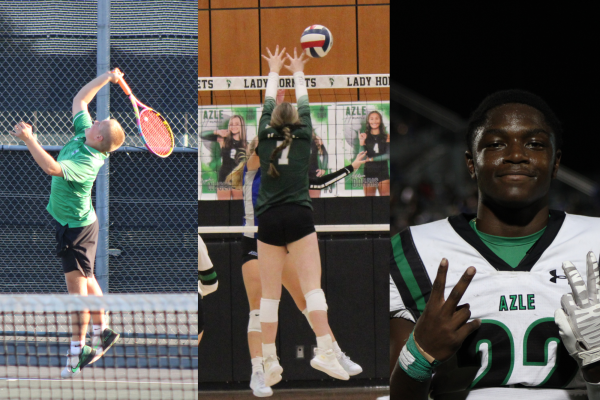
pixel 375 172
pixel 249 249
pixel 76 247
pixel 200 315
pixel 284 224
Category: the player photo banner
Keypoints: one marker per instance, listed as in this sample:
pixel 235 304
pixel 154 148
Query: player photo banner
pixel 218 154
pixel 351 121
pixel 336 143
pixel 287 82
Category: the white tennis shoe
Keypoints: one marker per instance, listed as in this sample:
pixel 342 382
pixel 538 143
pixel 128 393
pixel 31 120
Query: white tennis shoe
pixel 272 370
pixel 326 361
pixel 349 366
pixel 257 384
pixel 76 363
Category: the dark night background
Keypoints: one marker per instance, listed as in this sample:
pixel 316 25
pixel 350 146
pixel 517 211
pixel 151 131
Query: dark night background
pixel 456 55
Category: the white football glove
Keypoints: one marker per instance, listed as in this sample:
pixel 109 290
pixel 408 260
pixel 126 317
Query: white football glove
pixel 579 318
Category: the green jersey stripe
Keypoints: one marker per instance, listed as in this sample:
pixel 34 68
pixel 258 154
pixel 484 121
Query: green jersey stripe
pixel 407 284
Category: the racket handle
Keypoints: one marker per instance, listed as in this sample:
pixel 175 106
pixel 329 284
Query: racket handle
pixel 123 84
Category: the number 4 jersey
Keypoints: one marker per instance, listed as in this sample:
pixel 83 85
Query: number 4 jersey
pixel 518 346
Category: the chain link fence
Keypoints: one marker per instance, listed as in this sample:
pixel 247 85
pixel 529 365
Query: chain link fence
pixel 47 53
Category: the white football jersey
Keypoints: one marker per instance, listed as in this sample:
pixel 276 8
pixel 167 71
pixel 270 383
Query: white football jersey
pixel 518 345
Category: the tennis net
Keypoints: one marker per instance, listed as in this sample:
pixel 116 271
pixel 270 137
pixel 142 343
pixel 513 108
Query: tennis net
pixel 156 356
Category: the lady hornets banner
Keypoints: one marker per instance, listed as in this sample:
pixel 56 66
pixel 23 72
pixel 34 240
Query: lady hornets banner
pixel 341 131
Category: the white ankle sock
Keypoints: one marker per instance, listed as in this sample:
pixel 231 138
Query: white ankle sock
pixel 97 330
pixel 336 347
pixel 257 364
pixel 269 350
pixel 75 348
pixel 324 342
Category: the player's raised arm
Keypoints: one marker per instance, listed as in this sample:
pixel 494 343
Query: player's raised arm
pixel 89 91
pixel 275 63
pixel 24 132
pixel 296 67
pixel 438 334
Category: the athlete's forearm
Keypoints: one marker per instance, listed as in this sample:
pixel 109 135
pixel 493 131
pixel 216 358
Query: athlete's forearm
pixel 272 83
pixel 89 91
pixel 300 85
pixel 404 387
pixel 209 135
pixel 381 157
pixel 327 180
pixel 43 159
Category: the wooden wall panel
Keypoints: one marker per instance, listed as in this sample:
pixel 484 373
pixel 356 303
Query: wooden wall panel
pixel 284 26
pixel 374 39
pixel 303 3
pixel 203 53
pixel 374 47
pixel 202 4
pixel 233 4
pixel 235 44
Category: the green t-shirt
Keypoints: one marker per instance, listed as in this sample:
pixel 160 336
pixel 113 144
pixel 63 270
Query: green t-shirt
pixel 291 187
pixel 71 196
pixel 510 249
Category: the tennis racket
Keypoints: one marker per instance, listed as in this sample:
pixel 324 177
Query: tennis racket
pixel 153 128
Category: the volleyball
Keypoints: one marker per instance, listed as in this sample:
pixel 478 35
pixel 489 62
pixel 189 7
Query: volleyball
pixel 316 41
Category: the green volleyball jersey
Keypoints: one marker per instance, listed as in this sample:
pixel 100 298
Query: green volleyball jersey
pixel 291 187
pixel 71 196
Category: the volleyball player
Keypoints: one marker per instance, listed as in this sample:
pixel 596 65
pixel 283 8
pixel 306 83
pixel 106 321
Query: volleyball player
pixel 231 142
pixel 375 141
pixel 73 175
pixel 207 282
pixel 250 179
pixel 285 222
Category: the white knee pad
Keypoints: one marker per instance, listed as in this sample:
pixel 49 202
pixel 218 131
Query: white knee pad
pixel 315 300
pixel 254 322
pixel 268 310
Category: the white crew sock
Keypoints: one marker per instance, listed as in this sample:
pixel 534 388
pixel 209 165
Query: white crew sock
pixel 336 347
pixel 324 342
pixel 76 348
pixel 97 330
pixel 257 364
pixel 269 350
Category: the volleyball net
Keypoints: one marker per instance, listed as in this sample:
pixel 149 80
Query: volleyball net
pixel 340 106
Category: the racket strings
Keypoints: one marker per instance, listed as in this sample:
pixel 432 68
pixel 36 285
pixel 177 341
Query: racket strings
pixel 156 133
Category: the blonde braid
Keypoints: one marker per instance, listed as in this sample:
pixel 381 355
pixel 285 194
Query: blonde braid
pixel 286 142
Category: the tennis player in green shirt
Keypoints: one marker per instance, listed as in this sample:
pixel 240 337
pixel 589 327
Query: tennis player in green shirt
pixel 73 175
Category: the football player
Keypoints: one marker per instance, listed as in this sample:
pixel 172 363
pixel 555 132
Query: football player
pixel 473 297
